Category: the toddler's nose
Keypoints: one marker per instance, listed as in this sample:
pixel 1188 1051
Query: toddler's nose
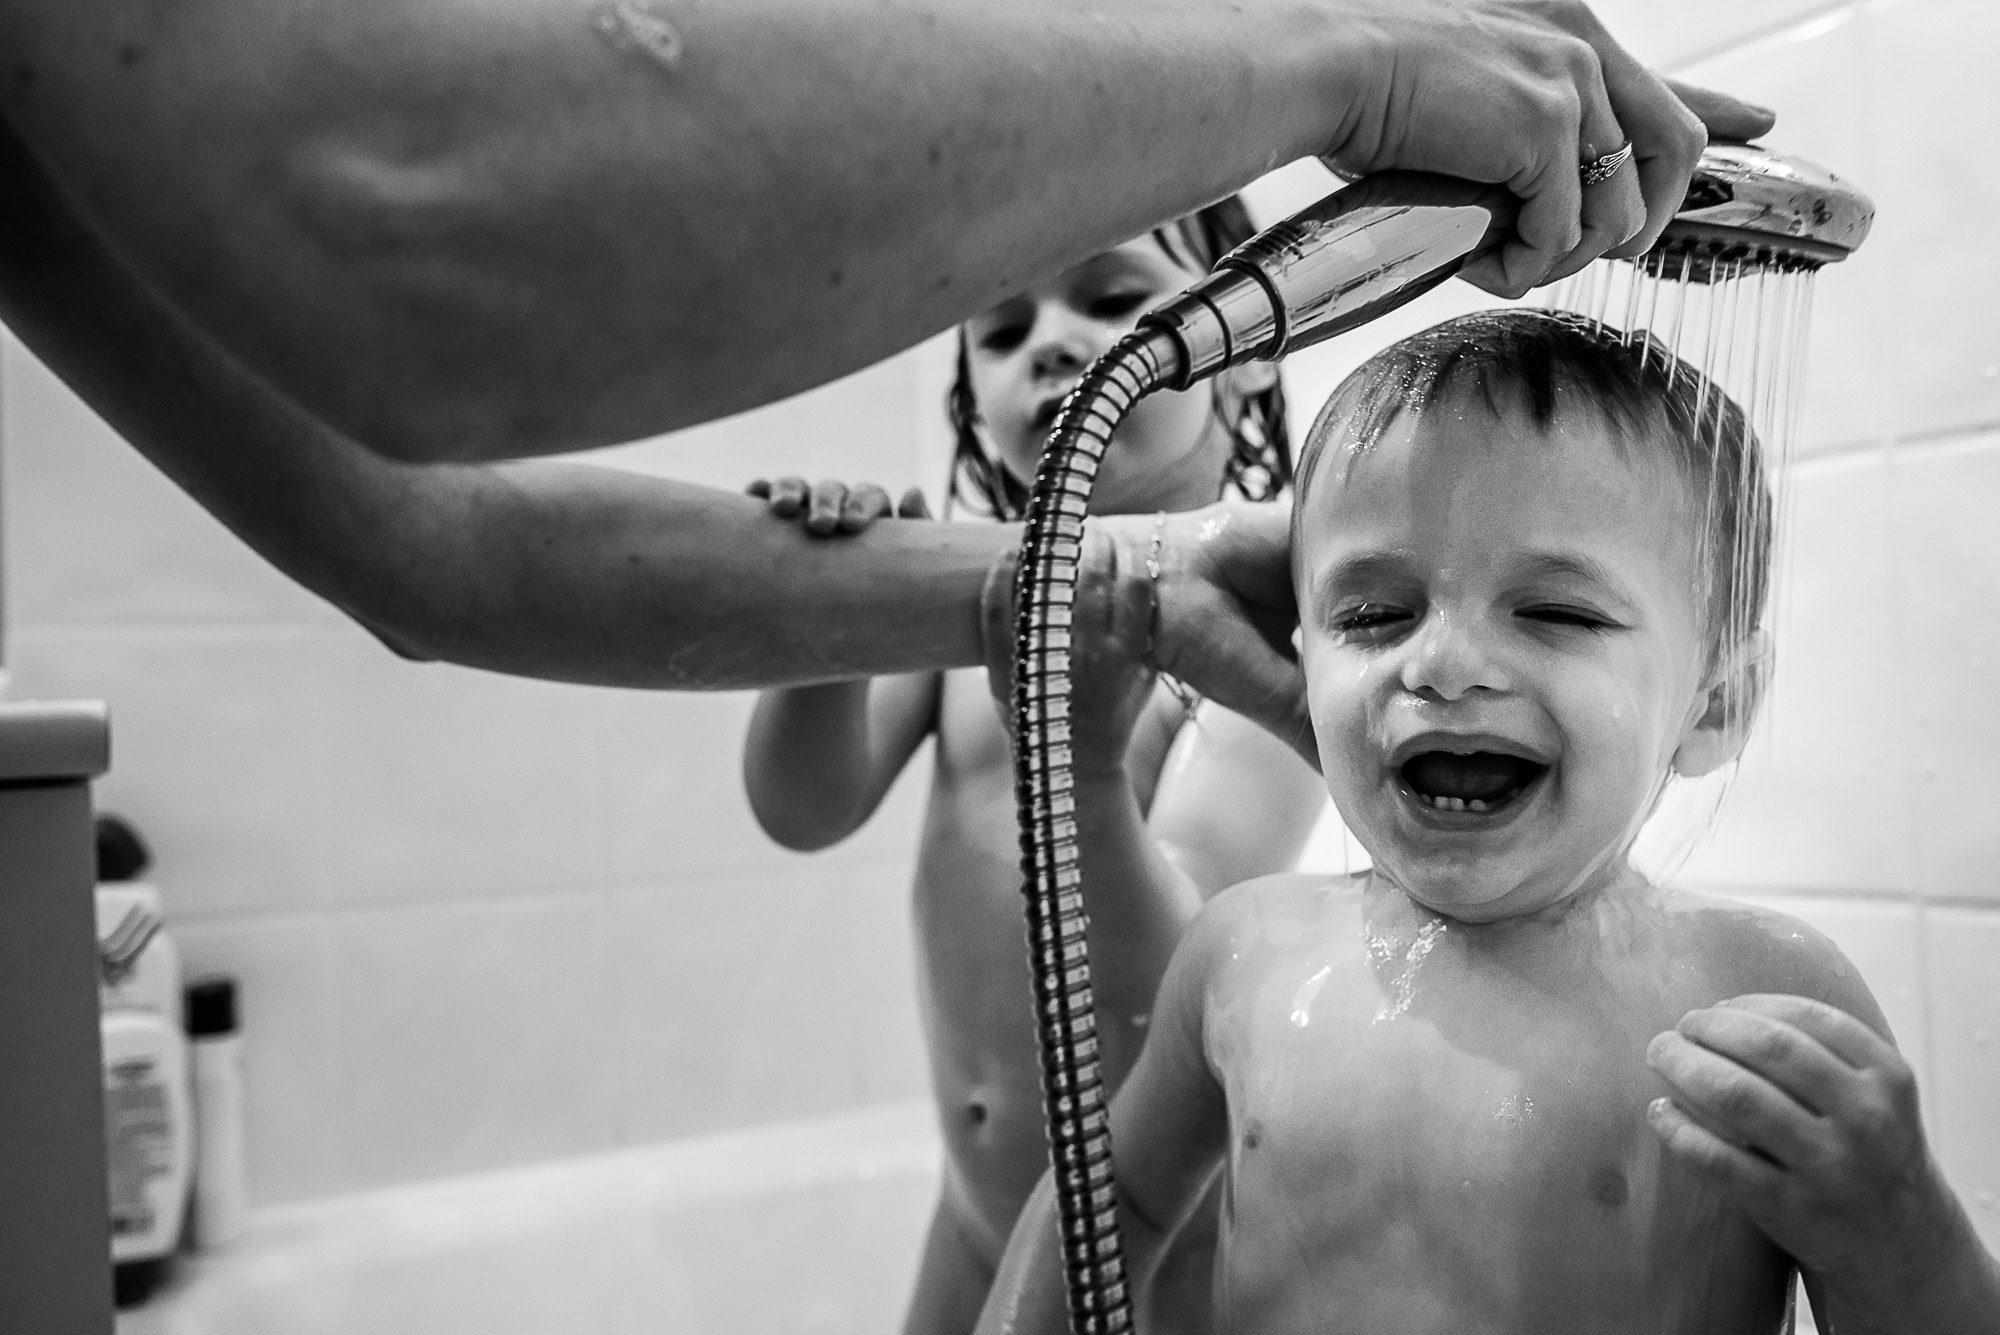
pixel 1449 659
pixel 1063 347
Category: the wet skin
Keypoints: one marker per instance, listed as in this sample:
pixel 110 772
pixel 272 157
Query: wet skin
pixel 1436 1126
pixel 972 961
pixel 1449 1122
pixel 1428 1085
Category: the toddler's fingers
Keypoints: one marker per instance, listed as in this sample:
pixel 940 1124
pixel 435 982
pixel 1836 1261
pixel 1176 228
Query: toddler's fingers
pixel 1781 1053
pixel 865 504
pixel 761 489
pixel 913 505
pixel 1708 1156
pixel 1748 1108
pixel 824 504
pixel 788 497
pixel 1843 1035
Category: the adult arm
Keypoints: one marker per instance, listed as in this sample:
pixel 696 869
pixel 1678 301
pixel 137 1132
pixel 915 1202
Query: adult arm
pixel 480 228
pixel 582 573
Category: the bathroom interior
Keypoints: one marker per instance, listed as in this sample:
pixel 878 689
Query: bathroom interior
pixel 541 1033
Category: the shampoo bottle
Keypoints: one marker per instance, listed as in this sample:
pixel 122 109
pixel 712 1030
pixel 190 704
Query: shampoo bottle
pixel 149 1135
pixel 221 1183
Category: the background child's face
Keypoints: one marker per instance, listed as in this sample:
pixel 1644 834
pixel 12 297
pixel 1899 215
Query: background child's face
pixel 1503 650
pixel 1028 352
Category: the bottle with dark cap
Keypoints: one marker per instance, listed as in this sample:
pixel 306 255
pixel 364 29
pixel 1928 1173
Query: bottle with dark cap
pixel 221 1179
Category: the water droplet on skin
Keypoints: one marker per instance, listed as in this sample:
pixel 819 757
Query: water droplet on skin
pixel 1403 987
pixel 631 25
pixel 1302 1000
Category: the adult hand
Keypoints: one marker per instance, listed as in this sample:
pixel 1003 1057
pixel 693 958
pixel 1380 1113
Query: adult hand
pixel 1220 613
pixel 1111 634
pixel 1807 1119
pixel 830 507
pixel 1520 93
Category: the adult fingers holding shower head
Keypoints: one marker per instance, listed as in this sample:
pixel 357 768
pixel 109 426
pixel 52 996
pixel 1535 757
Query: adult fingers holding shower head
pixel 1524 93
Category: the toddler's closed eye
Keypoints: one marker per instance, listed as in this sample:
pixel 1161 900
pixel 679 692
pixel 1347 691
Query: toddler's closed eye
pixel 1556 614
pixel 1370 617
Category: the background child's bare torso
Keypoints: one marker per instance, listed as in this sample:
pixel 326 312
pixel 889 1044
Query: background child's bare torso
pixel 1441 1128
pixel 972 955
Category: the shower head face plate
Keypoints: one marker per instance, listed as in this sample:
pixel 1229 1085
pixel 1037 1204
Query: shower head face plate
pixel 1749 207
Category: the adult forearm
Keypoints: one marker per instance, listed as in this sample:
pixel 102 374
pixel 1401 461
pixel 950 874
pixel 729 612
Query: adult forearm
pixel 465 229
pixel 579 573
pixel 554 570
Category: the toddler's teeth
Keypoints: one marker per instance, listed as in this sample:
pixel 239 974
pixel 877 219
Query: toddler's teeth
pixel 1475 805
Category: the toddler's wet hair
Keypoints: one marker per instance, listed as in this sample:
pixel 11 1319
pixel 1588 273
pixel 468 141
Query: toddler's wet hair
pixel 1259 467
pixel 1540 362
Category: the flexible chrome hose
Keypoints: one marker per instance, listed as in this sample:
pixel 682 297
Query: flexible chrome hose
pixel 1058 926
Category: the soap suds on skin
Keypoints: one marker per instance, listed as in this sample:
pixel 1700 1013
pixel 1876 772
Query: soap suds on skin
pixel 633 25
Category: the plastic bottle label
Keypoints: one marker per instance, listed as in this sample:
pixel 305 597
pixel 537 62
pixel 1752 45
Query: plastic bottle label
pixel 137 1143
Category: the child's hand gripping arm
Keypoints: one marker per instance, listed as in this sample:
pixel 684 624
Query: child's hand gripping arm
pixel 1169 1129
pixel 818 760
pixel 1807 1117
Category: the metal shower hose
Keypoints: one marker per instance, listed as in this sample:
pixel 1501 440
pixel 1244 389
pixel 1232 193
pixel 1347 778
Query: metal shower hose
pixel 1100 1300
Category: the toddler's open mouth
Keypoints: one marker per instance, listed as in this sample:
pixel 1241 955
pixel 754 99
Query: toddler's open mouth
pixel 1481 782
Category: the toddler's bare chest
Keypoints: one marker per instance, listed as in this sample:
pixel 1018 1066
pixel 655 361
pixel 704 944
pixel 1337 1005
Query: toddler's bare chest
pixel 1451 1122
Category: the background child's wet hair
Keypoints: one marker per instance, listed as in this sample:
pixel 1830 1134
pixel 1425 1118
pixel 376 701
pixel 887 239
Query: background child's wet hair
pixel 1260 457
pixel 1538 362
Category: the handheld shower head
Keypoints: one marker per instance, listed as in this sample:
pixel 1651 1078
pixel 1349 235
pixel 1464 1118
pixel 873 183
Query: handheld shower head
pixel 1367 249
pixel 1751 207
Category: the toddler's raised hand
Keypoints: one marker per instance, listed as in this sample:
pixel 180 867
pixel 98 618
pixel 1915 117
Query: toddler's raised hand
pixel 831 507
pixel 1807 1119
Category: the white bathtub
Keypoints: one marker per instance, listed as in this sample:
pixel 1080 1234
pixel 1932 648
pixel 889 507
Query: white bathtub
pixel 809 1228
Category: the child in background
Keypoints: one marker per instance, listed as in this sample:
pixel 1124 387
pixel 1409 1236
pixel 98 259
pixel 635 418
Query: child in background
pixel 1500 1082
pixel 1176 798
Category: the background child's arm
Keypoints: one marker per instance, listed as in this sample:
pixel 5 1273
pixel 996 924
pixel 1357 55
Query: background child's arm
pixel 1170 1126
pixel 1806 1116
pixel 818 759
pixel 1233 802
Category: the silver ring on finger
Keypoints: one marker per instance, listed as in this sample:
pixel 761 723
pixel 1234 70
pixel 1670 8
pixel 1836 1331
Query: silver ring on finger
pixel 1599 170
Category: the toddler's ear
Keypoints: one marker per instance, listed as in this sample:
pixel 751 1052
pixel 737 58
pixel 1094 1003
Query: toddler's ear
pixel 1720 721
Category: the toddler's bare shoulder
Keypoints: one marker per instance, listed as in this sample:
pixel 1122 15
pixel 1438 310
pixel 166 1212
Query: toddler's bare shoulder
pixel 1270 909
pixel 1745 948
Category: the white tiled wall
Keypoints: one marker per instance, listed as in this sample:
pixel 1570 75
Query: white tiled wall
pixel 481 920
pixel 477 920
